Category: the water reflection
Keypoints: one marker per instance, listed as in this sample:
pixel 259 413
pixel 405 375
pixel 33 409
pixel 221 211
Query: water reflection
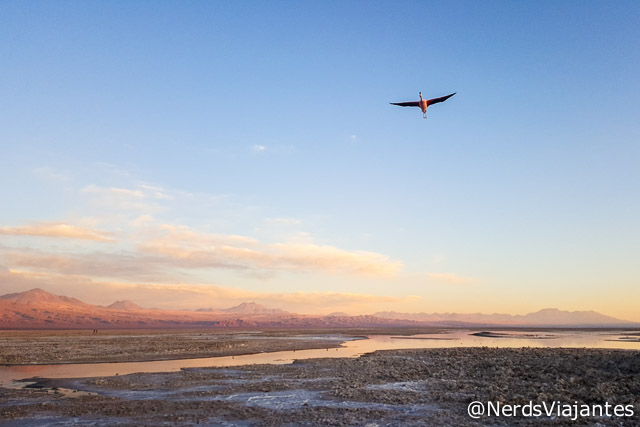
pixel 353 348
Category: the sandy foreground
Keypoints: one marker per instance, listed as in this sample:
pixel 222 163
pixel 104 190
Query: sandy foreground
pixel 398 387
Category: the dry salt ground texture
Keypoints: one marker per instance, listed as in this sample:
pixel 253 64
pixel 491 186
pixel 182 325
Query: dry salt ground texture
pixel 422 387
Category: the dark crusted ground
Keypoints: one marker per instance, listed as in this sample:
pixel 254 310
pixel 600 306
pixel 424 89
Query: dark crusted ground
pixel 399 388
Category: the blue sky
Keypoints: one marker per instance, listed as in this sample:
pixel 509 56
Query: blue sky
pixel 271 121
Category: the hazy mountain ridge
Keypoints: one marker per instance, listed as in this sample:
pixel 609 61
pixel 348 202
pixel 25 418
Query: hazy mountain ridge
pixel 244 308
pixel 253 308
pixel 544 317
pixel 37 308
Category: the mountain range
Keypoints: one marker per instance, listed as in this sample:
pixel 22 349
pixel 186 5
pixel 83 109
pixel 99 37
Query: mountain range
pixel 545 317
pixel 37 308
pixel 245 308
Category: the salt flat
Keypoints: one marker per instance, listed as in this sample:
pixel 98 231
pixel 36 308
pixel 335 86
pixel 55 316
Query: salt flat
pixel 400 387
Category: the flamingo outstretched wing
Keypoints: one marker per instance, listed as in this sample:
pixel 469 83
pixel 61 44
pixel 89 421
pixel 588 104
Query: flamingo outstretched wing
pixel 441 99
pixel 406 104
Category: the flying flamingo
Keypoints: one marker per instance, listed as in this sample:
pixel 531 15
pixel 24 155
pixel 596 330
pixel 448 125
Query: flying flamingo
pixel 423 103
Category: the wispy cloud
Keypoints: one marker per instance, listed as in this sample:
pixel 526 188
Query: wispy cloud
pixel 186 248
pixel 142 220
pixel 50 174
pixel 283 221
pixel 169 252
pixel 451 278
pixel 142 197
pixel 99 265
pixel 438 259
pixel 155 192
pixel 333 260
pixel 158 254
pixel 58 230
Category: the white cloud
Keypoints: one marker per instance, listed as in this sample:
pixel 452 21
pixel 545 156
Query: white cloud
pixel 188 249
pixel 58 230
pixel 100 265
pixel 162 252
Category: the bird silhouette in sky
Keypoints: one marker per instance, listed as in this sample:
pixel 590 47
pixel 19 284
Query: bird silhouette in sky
pixel 423 103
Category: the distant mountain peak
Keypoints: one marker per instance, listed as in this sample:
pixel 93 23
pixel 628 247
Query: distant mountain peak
pixel 338 314
pixel 549 311
pixel 560 317
pixel 252 308
pixel 39 296
pixel 31 293
pixel 125 305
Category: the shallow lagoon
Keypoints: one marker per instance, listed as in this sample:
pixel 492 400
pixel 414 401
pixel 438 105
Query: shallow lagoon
pixel 352 347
